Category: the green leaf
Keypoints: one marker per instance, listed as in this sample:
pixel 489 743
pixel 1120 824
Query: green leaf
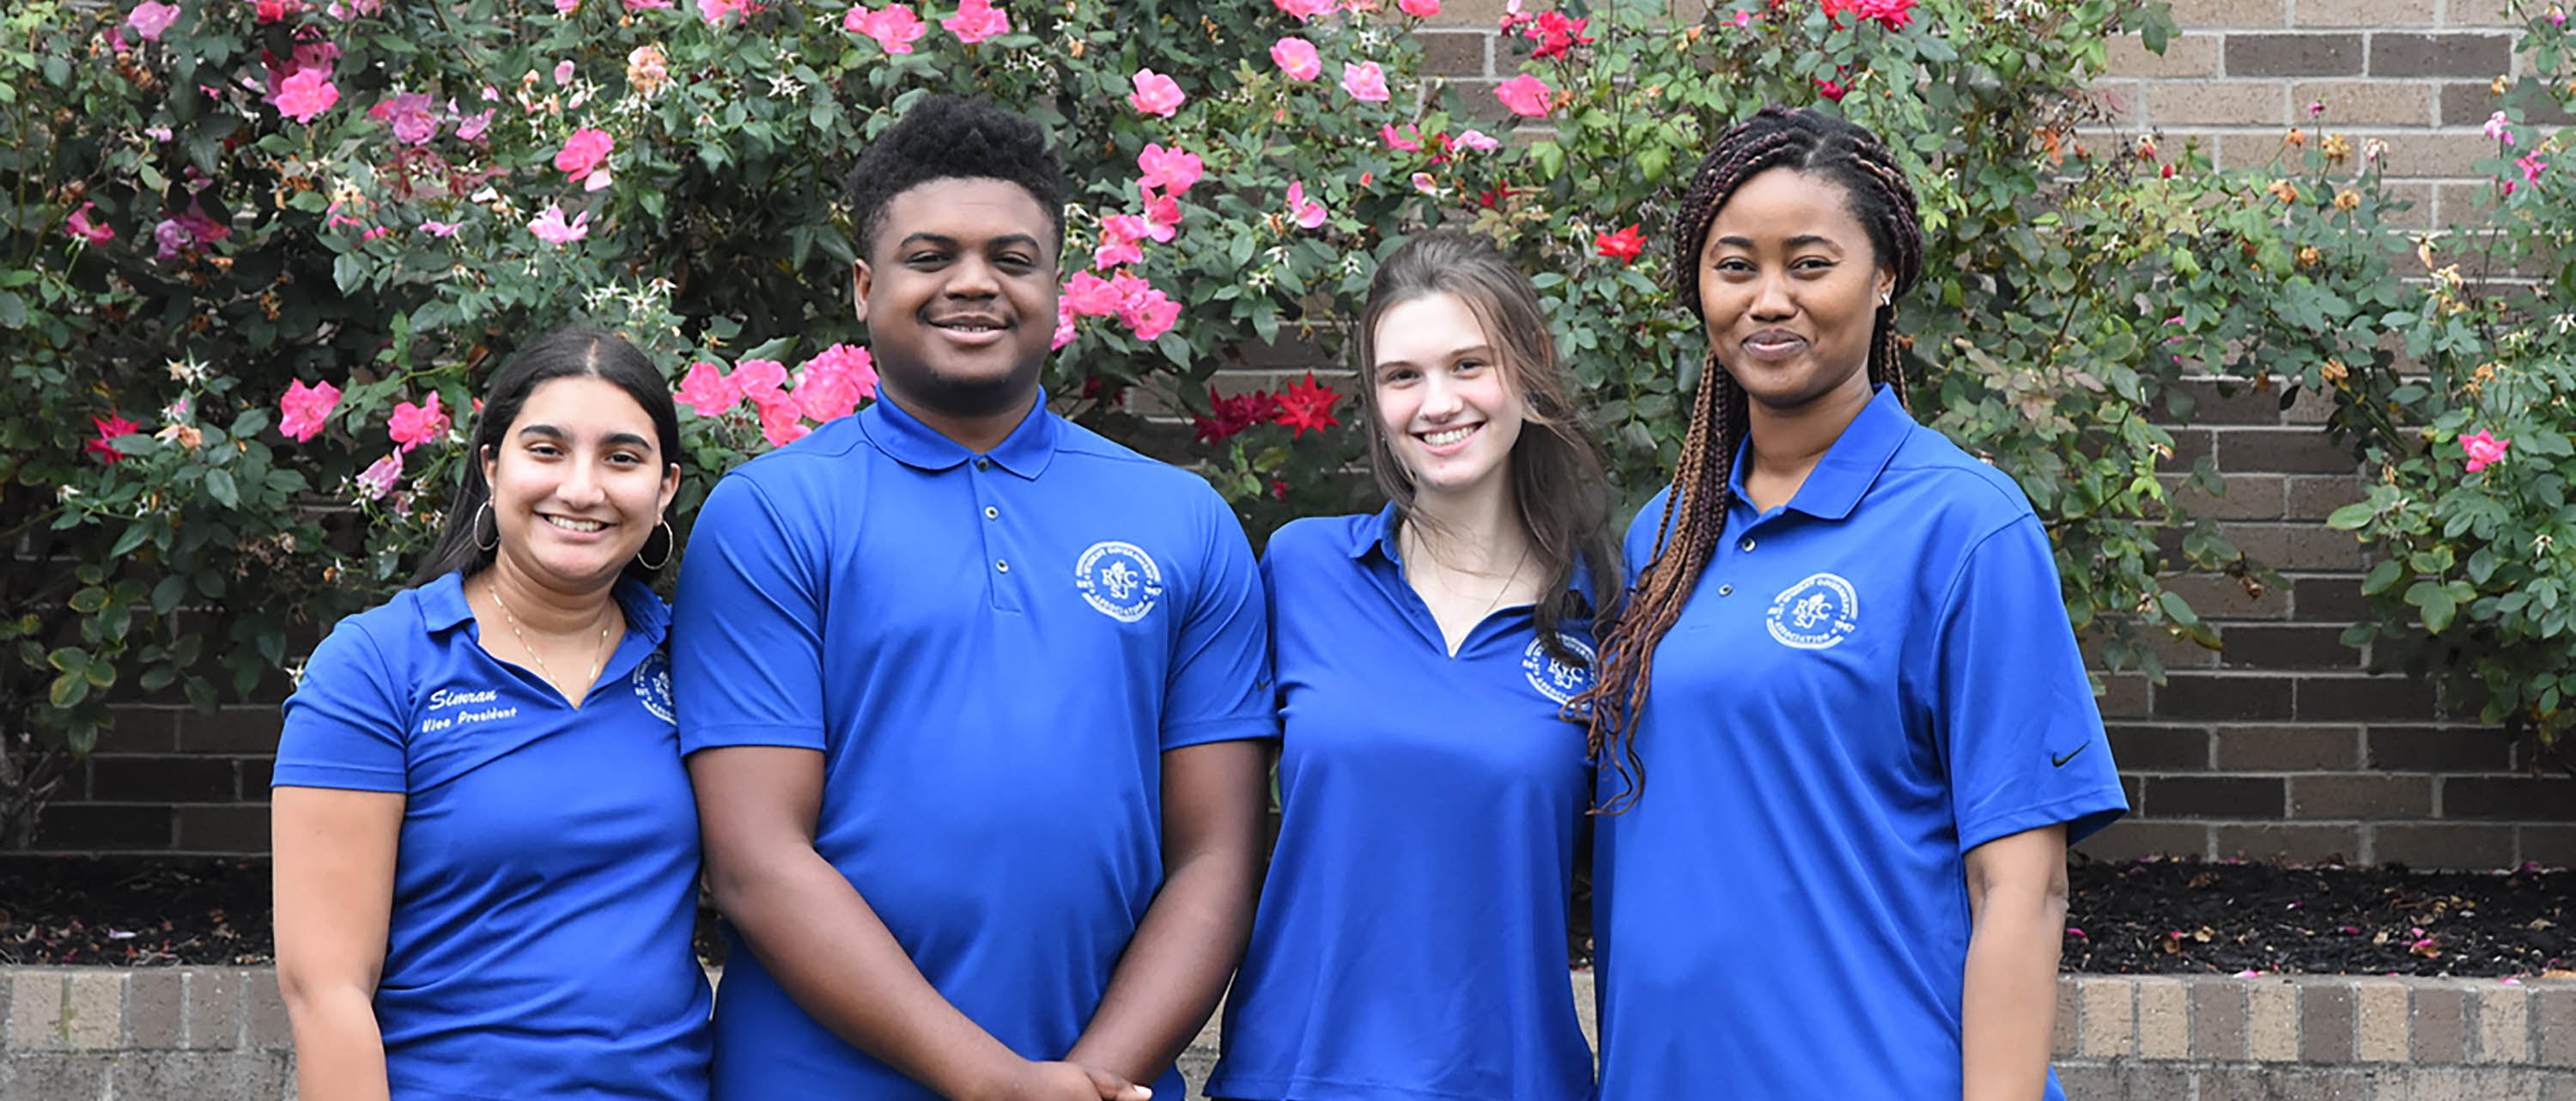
pixel 2352 516
pixel 773 349
pixel 2435 602
pixel 69 689
pixel 219 485
pixel 13 310
pixel 2383 575
pixel 2177 609
pixel 69 659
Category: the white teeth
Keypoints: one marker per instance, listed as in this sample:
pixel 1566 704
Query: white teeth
pixel 1444 439
pixel 575 525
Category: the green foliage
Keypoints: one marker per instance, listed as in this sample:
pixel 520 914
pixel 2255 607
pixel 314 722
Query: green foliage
pixel 252 250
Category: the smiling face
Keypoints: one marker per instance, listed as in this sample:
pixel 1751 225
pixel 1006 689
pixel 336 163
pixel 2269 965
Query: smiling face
pixel 958 292
pixel 1789 288
pixel 1449 413
pixel 577 484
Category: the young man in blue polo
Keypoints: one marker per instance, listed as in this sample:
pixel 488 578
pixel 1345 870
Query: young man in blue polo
pixel 976 701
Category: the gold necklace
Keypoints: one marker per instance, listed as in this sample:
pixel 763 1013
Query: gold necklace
pixel 598 656
pixel 1506 586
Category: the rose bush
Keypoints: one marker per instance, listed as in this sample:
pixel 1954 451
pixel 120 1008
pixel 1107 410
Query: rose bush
pixel 256 254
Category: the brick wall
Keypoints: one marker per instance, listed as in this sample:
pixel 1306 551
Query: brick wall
pixel 2287 745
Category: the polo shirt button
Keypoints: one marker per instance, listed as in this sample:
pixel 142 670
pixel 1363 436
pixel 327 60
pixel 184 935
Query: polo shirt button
pixel 983 464
pixel 991 513
pixel 1747 544
pixel 1002 566
pixel 1726 590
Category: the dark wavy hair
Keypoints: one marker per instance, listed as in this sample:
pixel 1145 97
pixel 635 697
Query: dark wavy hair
pixel 950 137
pixel 1557 481
pixel 1694 516
pixel 563 353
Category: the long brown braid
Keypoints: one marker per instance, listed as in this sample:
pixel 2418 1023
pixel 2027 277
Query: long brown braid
pixel 1694 516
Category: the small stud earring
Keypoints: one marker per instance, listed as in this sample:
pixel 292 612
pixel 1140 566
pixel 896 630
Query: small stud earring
pixel 1886 299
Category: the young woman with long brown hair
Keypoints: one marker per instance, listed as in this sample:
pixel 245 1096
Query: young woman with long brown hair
pixel 1847 671
pixel 1410 942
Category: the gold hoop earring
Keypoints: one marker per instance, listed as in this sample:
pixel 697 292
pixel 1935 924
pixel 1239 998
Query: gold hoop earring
pixel 670 544
pixel 479 544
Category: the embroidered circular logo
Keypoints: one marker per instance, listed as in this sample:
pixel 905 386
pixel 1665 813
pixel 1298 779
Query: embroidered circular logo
pixel 1555 679
pixel 1815 613
pixel 1119 580
pixel 653 685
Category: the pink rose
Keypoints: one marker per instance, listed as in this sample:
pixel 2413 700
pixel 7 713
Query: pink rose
pixel 2483 450
pixel 1526 95
pixel 706 390
pixel 1119 234
pixel 1064 325
pixel 305 95
pixel 410 115
pixel 894 29
pixel 584 151
pixel 833 383
pixel 1297 58
pixel 1419 9
pixel 1307 214
pixel 306 410
pixel 1156 94
pixel 1305 9
pixel 1172 170
pixel 414 425
pixel 1425 183
pixel 378 479
pixel 149 19
pixel 1364 81
pixel 975 21
pixel 718 12
pixel 1090 295
pixel 1407 140
pixel 1147 312
pixel 81 225
pixel 551 228
pixel 439 229
pixel 1477 140
pixel 1162 217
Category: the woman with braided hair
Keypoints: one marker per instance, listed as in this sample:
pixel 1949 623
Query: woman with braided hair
pixel 1846 667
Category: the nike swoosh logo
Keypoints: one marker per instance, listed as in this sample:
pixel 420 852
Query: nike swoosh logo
pixel 2055 761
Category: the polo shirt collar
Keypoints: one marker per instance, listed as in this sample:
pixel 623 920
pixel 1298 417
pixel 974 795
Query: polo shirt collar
pixel 1377 535
pixel 443 606
pixel 1849 466
pixel 1024 452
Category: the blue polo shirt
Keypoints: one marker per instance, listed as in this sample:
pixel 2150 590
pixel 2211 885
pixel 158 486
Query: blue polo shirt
pixel 1866 683
pixel 992 653
pixel 546 878
pixel 1411 939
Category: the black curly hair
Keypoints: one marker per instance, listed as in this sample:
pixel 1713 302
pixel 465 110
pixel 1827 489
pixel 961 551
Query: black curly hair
pixel 950 137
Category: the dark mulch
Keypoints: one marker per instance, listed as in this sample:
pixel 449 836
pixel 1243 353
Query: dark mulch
pixel 2150 916
pixel 2176 916
pixel 140 911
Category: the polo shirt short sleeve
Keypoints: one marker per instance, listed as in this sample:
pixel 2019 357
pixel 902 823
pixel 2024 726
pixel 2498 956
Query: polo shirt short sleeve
pixel 545 876
pixel 1411 940
pixel 991 651
pixel 1866 683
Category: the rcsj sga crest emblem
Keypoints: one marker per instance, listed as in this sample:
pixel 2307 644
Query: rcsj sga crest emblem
pixel 1119 580
pixel 653 685
pixel 1815 613
pixel 1555 679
